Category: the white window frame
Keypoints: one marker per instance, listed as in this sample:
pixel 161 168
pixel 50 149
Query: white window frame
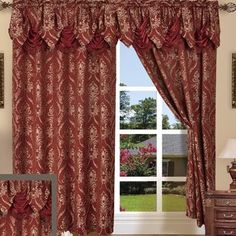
pixel 152 222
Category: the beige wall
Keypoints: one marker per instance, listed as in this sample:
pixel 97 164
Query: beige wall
pixel 226 116
pixel 5 114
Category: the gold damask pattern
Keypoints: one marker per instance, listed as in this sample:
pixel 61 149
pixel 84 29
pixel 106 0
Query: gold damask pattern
pixel 114 20
pixel 64 79
pixel 64 113
pixel 186 80
pixel 23 207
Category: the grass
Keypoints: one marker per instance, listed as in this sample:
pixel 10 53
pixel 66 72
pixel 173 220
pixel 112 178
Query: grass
pixel 171 202
pixel 147 202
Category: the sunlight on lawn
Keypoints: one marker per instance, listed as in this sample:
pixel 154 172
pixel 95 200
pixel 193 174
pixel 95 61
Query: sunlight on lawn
pixel 147 202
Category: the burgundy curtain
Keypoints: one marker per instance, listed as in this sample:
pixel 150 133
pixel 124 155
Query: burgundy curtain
pixel 183 70
pixel 25 208
pixel 64 93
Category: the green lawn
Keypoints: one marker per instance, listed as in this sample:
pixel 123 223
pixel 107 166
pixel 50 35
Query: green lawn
pixel 171 202
pixel 147 202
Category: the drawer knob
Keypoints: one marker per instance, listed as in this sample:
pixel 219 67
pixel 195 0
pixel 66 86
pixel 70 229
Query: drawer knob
pixel 228 232
pixel 228 215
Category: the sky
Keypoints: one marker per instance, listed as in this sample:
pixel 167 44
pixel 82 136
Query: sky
pixel 132 73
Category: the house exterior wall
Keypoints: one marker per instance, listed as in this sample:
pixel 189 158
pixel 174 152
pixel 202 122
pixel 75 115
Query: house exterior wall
pixel 179 165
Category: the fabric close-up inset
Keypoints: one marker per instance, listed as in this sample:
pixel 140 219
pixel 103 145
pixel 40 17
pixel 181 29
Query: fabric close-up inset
pixel 25 208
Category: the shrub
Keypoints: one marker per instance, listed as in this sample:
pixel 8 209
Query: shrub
pixel 141 164
pixel 179 190
pixel 150 190
pixel 166 190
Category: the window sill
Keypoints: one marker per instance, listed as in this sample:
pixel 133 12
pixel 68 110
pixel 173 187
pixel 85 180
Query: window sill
pixel 154 223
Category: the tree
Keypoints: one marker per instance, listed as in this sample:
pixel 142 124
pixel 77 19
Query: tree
pixel 165 122
pixel 124 108
pixel 133 141
pixel 178 125
pixel 144 114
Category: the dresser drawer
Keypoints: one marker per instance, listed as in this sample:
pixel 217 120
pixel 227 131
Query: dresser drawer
pixel 225 202
pixel 225 215
pixel 224 231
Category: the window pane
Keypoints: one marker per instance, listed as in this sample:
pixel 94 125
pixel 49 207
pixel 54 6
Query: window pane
pixel 173 198
pixel 169 121
pixel 138 196
pixel 137 155
pixel 174 151
pixel 137 110
pixel 132 72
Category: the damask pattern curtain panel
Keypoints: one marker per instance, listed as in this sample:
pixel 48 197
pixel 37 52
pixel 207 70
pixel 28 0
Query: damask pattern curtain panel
pixel 25 208
pixel 64 60
pixel 184 72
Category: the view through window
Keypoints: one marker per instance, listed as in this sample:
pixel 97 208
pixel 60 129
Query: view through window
pixel 151 152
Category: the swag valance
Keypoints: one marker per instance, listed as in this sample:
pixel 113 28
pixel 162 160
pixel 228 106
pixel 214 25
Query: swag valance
pixel 99 25
pixel 25 207
pixel 22 198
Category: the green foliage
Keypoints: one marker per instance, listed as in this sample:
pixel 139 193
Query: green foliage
pixel 165 122
pixel 145 114
pixel 132 188
pixel 137 165
pixel 178 125
pixel 133 141
pixel 173 188
pixel 180 190
pixel 150 190
pixel 124 106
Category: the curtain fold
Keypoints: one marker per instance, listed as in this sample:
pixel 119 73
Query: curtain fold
pixel 25 208
pixel 186 80
pixel 64 62
pixel 64 112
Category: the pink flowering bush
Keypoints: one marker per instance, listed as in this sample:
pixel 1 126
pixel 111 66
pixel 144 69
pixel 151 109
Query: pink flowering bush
pixel 142 163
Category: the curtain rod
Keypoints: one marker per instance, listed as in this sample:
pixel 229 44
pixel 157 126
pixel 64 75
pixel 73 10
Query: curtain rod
pixel 227 7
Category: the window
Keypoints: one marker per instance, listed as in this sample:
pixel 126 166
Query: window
pixel 151 149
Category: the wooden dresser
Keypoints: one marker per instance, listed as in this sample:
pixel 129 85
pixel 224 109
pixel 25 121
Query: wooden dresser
pixel 220 213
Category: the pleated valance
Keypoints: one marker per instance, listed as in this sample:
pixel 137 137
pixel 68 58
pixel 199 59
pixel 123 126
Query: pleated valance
pixel 99 25
pixel 20 199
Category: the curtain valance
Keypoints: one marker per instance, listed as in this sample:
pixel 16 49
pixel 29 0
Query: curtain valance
pixel 99 25
pixel 22 198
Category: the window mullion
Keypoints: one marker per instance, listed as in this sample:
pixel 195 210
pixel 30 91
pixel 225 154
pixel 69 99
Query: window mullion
pixel 117 135
pixel 159 153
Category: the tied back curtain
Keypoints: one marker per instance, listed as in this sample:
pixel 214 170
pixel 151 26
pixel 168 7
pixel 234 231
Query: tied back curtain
pixel 186 80
pixel 64 93
pixel 25 208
